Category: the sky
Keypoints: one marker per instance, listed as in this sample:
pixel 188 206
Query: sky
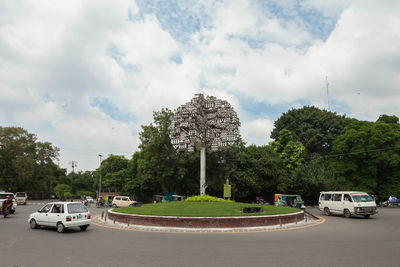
pixel 85 75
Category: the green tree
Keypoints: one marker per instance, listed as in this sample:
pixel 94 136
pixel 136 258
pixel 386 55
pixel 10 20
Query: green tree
pixel 83 184
pixel 309 179
pixel 158 162
pixel 314 128
pixel 24 162
pixel 290 150
pixel 368 157
pixel 114 172
pixel 63 191
pixel 388 119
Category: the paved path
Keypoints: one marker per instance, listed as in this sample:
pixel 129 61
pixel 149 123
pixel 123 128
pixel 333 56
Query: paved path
pixel 337 242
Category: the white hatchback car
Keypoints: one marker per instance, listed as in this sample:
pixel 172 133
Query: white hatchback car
pixel 61 215
pixel 123 201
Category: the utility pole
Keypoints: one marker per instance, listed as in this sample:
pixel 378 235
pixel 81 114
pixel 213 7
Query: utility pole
pixel 327 92
pixel 100 156
pixel 73 164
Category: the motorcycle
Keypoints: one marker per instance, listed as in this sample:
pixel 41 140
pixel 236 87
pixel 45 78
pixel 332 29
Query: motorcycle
pixel 6 211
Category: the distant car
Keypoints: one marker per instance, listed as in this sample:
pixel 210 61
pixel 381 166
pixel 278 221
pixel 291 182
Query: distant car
pixel 21 197
pixel 3 196
pixel 62 215
pixel 123 201
pixel 90 199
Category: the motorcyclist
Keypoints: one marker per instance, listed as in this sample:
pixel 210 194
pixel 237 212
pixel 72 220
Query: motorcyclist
pixel 7 204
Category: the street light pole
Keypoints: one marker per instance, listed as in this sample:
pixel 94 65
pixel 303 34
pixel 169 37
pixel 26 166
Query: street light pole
pixel 100 177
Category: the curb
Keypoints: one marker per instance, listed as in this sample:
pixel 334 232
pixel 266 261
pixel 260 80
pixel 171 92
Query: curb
pixel 121 226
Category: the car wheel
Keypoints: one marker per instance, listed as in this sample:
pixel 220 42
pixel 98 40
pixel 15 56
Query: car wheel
pixel 33 224
pixel 60 227
pixel 83 227
pixel 366 216
pixel 327 212
pixel 346 213
pixel 114 206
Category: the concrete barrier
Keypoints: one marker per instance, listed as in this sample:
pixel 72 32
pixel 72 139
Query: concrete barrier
pixel 205 222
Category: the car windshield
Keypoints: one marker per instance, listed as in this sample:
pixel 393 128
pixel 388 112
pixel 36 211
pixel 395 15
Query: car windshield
pixel 4 196
pixel 76 208
pixel 362 198
pixel 20 194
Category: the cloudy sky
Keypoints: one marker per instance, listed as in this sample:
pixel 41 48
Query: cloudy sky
pixel 85 75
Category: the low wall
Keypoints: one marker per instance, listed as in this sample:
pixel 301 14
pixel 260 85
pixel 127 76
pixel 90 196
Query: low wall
pixel 205 222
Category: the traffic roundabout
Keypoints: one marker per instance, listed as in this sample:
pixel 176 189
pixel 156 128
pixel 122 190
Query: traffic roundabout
pixel 180 224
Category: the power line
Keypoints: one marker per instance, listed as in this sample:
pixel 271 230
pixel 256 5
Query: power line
pixel 327 156
pixel 360 152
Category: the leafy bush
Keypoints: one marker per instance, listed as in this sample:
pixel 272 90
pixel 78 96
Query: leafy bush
pixel 63 191
pixel 206 198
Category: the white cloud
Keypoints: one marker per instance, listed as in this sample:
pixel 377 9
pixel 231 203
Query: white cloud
pixel 257 131
pixel 58 57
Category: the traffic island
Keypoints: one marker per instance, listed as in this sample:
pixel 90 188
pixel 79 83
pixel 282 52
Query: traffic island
pixel 206 224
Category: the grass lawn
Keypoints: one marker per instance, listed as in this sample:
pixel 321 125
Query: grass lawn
pixel 202 209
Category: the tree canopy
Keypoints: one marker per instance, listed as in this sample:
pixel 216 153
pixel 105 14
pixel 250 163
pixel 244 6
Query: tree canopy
pixel 312 150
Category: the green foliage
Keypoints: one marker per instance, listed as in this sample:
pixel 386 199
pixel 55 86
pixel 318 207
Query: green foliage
pixel 205 198
pixel 312 150
pixel 83 183
pixel 63 191
pixel 203 209
pixel 314 128
pixel 25 163
pixel 114 172
pixel 291 151
pixel 369 157
pixel 308 180
pixel 388 119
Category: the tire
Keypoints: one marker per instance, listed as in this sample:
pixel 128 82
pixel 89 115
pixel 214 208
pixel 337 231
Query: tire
pixel 114 206
pixel 83 227
pixel 366 216
pixel 60 227
pixel 327 212
pixel 33 224
pixel 346 213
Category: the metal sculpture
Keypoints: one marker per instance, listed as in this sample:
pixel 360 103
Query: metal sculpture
pixel 206 124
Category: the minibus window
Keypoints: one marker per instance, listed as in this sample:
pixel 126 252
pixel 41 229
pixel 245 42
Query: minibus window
pixel 337 197
pixel 322 197
pixel 327 196
pixel 347 198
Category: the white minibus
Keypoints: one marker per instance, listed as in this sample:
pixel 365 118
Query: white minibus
pixel 347 203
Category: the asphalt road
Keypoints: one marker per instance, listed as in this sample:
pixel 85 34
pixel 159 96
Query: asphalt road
pixel 337 242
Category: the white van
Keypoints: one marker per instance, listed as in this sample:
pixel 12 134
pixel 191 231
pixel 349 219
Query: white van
pixel 347 203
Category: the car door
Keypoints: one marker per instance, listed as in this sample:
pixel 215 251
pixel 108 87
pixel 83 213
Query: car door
pixel 348 203
pixel 55 215
pixel 337 202
pixel 42 217
pixel 125 202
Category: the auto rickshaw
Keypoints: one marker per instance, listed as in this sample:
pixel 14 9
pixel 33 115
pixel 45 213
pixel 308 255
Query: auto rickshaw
pixel 284 200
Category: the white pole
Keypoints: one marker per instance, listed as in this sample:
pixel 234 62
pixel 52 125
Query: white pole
pixel 203 170
pixel 100 178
